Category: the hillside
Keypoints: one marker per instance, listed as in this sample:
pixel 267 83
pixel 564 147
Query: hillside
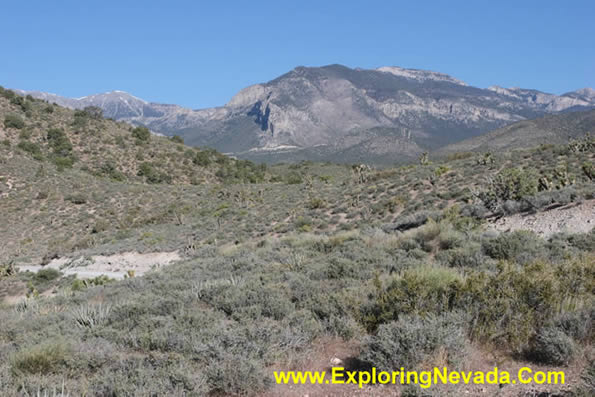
pixel 553 129
pixel 225 283
pixel 84 140
pixel 335 112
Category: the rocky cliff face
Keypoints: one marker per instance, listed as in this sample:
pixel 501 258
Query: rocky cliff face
pixel 341 114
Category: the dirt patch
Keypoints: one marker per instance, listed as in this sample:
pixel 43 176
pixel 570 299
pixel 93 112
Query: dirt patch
pixel 114 266
pixel 571 219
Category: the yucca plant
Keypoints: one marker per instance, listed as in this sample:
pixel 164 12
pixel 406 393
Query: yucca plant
pixel 91 315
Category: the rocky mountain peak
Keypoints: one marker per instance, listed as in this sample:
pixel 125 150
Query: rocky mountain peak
pixel 338 113
pixel 420 75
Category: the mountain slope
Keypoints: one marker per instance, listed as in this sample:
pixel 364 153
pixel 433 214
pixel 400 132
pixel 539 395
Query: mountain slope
pixel 551 129
pixel 334 110
pixel 82 139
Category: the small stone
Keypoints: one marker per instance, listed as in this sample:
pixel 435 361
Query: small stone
pixel 336 361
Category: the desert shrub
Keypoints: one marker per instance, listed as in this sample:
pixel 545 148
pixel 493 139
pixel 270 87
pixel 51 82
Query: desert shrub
pixel 579 324
pixel 551 346
pixel 508 305
pixel 152 175
pixel 546 198
pixel 21 102
pixel 25 134
pixel 587 381
pixel 59 142
pixel 234 375
pixel 316 203
pixel 93 112
pixel 13 121
pixel 293 178
pixel 6 93
pixel 78 285
pixel 468 255
pixel 45 275
pixel 583 241
pixel 477 211
pixel 141 134
pixel 511 304
pixel 142 376
pixel 31 148
pixel 63 162
pixel 110 170
pixel 413 339
pixel 521 246
pixel 202 158
pixel 46 358
pixel 421 290
pixel 249 300
pixel 433 236
pixel 76 198
pixel 509 184
pixel 80 119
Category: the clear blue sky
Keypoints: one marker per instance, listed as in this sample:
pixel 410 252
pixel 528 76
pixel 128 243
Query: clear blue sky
pixel 200 53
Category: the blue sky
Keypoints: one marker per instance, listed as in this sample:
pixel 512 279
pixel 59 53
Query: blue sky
pixel 199 54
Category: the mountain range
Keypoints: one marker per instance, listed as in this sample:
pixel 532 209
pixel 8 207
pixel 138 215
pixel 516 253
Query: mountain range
pixel 336 113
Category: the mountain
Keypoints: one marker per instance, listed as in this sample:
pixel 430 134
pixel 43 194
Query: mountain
pixel 551 129
pixel 341 114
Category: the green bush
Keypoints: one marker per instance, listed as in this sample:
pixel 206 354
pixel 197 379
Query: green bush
pixel 110 170
pixel 93 112
pixel 47 358
pixel 63 162
pixel 152 175
pixel 31 148
pixel 59 142
pixel 141 134
pixel 522 246
pixel 293 179
pixel 202 158
pixel 419 290
pixel 509 184
pixel 45 275
pixel 13 121
pixel 76 198
pixel 21 102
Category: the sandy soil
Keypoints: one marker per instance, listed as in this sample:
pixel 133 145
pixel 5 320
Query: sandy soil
pixel 571 218
pixel 114 266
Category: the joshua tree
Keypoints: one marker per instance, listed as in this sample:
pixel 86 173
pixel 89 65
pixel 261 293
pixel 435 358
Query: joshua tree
pixel 361 173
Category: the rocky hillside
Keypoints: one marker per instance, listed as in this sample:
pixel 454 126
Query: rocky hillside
pixel 551 129
pixel 336 113
pixel 58 138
